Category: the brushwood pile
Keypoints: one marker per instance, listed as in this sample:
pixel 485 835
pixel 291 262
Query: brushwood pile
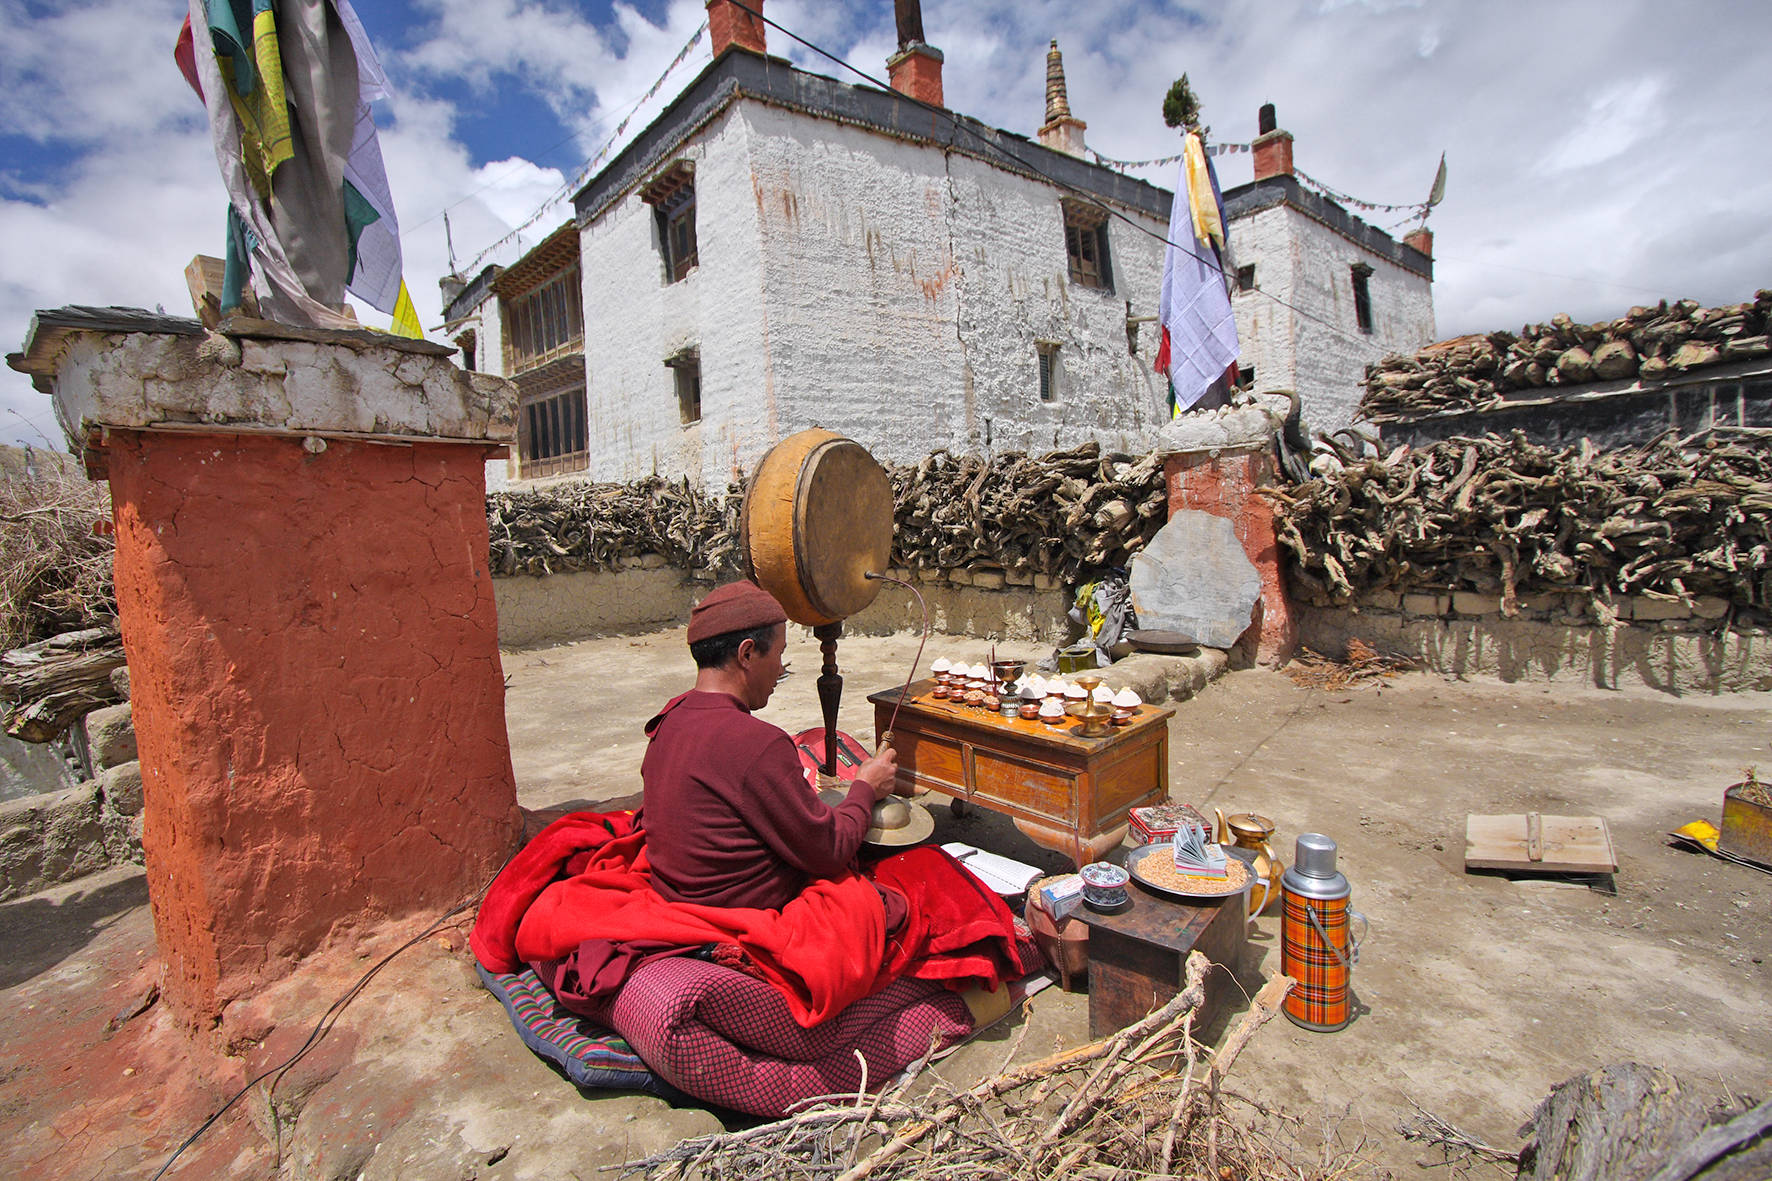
pixel 1056 514
pixel 1677 518
pixel 1647 344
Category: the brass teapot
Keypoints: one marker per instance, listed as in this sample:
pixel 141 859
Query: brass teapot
pixel 1248 830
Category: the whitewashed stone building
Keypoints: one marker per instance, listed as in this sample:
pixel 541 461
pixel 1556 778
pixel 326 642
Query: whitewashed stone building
pixel 1319 294
pixel 780 250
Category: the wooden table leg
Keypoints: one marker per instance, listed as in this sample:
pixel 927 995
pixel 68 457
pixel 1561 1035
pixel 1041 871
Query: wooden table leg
pixel 1079 848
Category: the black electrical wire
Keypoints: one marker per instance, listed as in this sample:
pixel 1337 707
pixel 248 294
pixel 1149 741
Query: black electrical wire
pixel 321 1027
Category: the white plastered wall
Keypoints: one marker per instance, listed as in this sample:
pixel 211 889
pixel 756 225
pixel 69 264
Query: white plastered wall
pixel 1322 354
pixel 634 321
pixel 873 286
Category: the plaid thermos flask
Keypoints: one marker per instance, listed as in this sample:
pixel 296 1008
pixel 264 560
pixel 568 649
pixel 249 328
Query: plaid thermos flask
pixel 1316 946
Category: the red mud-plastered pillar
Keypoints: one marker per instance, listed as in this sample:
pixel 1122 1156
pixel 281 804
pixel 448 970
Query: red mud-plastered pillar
pixel 312 644
pixel 1223 483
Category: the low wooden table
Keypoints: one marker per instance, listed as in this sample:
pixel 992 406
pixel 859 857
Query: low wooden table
pixel 1137 957
pixel 1066 792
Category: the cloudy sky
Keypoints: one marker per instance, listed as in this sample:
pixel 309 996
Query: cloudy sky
pixel 1602 153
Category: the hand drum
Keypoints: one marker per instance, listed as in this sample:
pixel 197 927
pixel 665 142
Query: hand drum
pixel 817 519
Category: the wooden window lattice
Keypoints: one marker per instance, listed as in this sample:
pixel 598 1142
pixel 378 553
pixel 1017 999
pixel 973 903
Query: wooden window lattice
pixel 672 196
pixel 552 435
pixel 1048 358
pixel 546 323
pixel 1085 243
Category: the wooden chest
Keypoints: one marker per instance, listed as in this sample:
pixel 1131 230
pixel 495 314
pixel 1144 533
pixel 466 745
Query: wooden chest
pixel 1137 958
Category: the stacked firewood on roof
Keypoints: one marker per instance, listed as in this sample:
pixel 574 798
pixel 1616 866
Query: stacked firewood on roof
pixel 1051 514
pixel 1055 514
pixel 585 526
pixel 1473 372
pixel 1676 518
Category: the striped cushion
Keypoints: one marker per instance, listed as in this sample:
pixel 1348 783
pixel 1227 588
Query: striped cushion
pixel 589 1054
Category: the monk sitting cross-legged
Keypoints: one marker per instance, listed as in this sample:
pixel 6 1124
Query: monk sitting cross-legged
pixel 728 817
pixel 732 850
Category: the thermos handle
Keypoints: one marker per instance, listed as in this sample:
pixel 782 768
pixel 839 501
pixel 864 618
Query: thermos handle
pixel 1353 955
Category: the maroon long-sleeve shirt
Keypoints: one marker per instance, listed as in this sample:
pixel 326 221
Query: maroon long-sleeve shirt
pixel 729 817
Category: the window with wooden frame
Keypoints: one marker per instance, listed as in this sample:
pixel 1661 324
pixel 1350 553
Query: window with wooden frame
pixel 546 322
pixel 1046 353
pixel 672 197
pixel 1086 244
pixel 1362 275
pixel 685 370
pixel 1246 278
pixel 551 434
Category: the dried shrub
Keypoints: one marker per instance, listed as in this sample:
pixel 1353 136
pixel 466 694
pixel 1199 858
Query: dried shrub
pixel 55 572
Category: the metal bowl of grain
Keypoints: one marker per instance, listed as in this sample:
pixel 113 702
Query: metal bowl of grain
pixel 1153 867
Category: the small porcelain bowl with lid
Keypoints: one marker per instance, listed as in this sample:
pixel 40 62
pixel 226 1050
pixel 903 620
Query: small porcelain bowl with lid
pixel 1104 886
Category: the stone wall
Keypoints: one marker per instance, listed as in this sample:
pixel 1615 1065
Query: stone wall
pixel 576 604
pixel 973 600
pixel 62 835
pixel 1668 646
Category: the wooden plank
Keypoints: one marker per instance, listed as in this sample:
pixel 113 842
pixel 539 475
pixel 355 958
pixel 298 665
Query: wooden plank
pixel 1565 844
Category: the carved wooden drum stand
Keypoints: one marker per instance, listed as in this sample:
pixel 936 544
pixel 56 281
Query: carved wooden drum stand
pixel 817 520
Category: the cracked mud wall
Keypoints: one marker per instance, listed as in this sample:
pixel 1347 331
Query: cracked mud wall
pixel 319 702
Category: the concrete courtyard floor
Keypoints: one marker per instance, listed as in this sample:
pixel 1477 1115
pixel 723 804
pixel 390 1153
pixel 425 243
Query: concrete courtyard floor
pixel 1476 991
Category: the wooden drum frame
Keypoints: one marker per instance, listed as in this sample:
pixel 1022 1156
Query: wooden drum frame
pixel 817 520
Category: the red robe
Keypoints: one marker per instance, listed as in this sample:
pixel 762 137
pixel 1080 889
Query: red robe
pixel 736 849
pixel 728 816
pixel 579 896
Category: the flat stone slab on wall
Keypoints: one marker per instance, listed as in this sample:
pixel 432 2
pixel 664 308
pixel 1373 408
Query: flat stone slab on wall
pixel 1194 579
pixel 1465 635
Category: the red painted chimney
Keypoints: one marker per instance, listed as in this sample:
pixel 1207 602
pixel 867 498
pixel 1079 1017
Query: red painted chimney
pixel 1422 239
pixel 915 70
pixel 1273 147
pixel 731 27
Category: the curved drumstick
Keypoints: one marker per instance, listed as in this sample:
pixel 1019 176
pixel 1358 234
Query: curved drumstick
pixel 886 736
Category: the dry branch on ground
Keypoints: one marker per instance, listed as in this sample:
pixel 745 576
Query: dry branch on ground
pixel 1147 1101
pixel 1363 665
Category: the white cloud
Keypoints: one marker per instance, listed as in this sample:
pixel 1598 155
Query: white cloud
pixel 548 47
pixel 1622 116
pixel 1602 152
pixel 75 74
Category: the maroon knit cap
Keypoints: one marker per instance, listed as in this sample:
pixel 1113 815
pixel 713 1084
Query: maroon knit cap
pixel 735 607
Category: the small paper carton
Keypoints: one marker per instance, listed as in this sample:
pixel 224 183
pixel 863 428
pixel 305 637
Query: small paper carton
pixel 1061 896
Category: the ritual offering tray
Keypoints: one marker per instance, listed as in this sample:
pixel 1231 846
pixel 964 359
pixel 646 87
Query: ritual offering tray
pixel 1153 867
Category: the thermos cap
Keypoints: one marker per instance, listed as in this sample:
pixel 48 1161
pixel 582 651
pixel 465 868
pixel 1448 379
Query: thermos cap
pixel 1315 856
pixel 1312 873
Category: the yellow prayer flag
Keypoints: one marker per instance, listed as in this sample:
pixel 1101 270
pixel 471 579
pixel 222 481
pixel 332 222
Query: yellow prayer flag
pixel 405 316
